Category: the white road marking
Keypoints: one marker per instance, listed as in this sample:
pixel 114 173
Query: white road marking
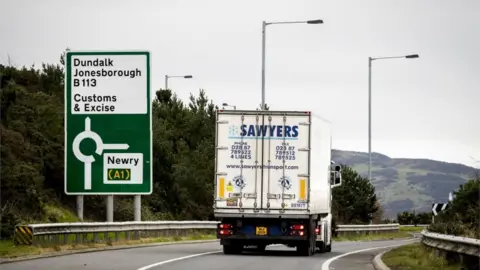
pixel 184 258
pixel 326 264
pixel 177 259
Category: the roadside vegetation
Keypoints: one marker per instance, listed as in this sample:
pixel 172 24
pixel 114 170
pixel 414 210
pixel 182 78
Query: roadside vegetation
pixel 411 229
pixel 416 257
pixel 372 237
pixel 462 217
pixel 414 218
pixel 9 250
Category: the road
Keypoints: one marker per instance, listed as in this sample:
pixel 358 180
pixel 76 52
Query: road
pixel 192 256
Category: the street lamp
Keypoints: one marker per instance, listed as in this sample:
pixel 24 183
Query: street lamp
pixel 226 105
pixel 264 27
pixel 184 76
pixel 370 59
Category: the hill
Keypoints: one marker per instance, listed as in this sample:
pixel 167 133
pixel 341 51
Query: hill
pixel 404 184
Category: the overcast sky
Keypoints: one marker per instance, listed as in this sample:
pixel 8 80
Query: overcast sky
pixel 422 108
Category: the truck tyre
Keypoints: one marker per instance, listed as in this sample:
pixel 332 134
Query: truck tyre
pixel 321 246
pixel 304 250
pixel 328 248
pixel 308 247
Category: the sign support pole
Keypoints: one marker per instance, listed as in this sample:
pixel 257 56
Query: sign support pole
pixel 80 207
pixel 137 208
pixel 110 208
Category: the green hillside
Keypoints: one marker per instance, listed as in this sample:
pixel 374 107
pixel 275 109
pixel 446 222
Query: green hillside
pixel 406 184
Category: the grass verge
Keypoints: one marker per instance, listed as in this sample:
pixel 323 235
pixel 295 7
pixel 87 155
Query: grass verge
pixel 371 237
pixel 415 257
pixel 9 250
pixel 411 229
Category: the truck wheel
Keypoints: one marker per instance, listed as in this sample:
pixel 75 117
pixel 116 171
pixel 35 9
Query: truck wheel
pixel 328 248
pixel 321 247
pixel 307 248
pixel 304 250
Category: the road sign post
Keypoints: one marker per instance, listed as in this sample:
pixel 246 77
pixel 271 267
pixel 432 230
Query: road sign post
pixel 108 125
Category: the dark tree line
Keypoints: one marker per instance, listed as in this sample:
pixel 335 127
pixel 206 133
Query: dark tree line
pixel 413 218
pixel 32 158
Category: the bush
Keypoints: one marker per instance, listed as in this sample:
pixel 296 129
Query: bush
pixel 462 217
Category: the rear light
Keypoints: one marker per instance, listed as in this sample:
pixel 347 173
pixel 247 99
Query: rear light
pixel 297 233
pixel 226 232
pixel 317 230
pixel 297 227
pixel 297 230
pixel 225 226
pixel 225 229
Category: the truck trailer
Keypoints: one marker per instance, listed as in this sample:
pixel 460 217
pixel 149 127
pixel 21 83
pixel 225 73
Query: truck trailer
pixel 273 180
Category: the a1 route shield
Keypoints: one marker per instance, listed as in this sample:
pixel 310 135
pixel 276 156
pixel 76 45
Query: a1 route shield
pixel 108 126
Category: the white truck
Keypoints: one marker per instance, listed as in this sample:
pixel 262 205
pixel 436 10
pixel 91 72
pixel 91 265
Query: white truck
pixel 273 180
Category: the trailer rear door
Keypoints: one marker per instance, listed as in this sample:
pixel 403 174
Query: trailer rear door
pixel 286 161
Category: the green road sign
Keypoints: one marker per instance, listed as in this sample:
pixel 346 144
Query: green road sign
pixel 108 124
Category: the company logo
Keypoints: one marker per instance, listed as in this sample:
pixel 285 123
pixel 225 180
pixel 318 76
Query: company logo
pixel 272 132
pixel 285 182
pixel 239 181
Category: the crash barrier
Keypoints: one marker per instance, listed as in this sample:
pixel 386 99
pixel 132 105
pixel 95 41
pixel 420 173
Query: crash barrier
pixel 105 232
pixel 454 248
pixel 346 230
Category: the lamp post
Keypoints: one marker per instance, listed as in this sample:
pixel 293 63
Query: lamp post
pixel 184 76
pixel 226 105
pixel 264 28
pixel 370 60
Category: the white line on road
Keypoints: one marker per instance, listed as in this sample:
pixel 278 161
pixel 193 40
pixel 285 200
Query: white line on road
pixel 177 259
pixel 184 258
pixel 326 264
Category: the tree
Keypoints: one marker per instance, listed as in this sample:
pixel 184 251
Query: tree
pixel 406 218
pixel 354 201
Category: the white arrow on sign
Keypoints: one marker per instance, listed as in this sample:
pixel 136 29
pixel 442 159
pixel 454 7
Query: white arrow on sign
pixel 100 146
pixel 434 208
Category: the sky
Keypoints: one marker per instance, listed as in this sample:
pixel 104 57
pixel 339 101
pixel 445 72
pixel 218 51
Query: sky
pixel 427 107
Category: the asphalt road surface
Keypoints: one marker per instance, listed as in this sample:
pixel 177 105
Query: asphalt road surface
pixel 208 256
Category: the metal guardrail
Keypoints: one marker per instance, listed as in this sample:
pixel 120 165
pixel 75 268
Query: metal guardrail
pixel 343 230
pixel 450 243
pixel 418 225
pixel 95 232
